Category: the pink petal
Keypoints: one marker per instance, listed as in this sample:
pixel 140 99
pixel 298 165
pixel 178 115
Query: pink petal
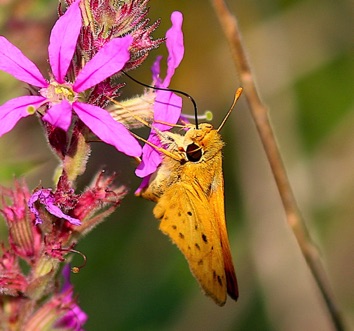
pixel 63 41
pixel 18 65
pixel 174 43
pixel 144 183
pixel 110 59
pixel 46 197
pixel 155 69
pixel 167 108
pixel 107 129
pixel 59 115
pixel 55 210
pixel 74 318
pixel 15 109
pixel 151 158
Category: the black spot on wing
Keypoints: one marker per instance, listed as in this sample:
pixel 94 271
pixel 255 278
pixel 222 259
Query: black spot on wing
pixel 204 237
pixel 219 280
pixel 217 277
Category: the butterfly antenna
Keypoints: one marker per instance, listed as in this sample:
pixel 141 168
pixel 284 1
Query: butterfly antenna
pixel 237 95
pixel 170 90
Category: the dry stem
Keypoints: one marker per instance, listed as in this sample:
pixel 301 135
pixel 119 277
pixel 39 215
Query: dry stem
pixel 260 117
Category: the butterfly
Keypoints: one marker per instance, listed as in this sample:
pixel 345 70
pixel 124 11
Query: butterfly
pixel 188 189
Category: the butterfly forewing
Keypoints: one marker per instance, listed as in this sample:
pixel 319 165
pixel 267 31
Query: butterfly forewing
pixel 216 201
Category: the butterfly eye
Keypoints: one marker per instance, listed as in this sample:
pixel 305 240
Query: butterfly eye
pixel 194 152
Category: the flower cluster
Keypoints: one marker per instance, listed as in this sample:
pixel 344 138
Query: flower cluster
pixel 43 248
pixel 91 44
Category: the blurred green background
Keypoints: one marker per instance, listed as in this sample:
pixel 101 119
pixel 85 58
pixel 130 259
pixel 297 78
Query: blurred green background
pixel 135 279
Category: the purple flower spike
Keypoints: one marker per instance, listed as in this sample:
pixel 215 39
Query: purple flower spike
pixel 167 106
pixel 61 96
pixel 46 197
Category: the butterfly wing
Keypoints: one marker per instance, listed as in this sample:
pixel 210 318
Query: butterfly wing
pixel 216 201
pixel 187 218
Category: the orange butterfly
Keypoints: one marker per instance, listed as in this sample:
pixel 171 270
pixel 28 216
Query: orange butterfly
pixel 188 189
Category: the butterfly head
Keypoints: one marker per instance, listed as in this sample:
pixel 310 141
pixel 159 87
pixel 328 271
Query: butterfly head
pixel 201 144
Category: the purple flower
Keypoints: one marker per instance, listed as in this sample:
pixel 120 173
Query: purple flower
pixel 60 96
pixel 46 197
pixel 75 317
pixel 167 106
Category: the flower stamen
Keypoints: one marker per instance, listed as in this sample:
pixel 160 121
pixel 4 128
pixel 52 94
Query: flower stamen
pixel 56 93
pixel 74 269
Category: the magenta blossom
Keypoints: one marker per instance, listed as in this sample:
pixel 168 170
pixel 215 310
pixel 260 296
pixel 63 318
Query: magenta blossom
pixel 46 197
pixel 75 317
pixel 61 96
pixel 167 106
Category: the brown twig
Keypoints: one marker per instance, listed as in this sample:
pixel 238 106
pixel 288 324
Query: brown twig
pixel 260 117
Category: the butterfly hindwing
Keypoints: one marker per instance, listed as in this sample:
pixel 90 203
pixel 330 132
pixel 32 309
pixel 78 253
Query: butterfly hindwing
pixel 188 219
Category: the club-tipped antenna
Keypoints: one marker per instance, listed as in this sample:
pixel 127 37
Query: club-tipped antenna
pixel 237 95
pixel 170 90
